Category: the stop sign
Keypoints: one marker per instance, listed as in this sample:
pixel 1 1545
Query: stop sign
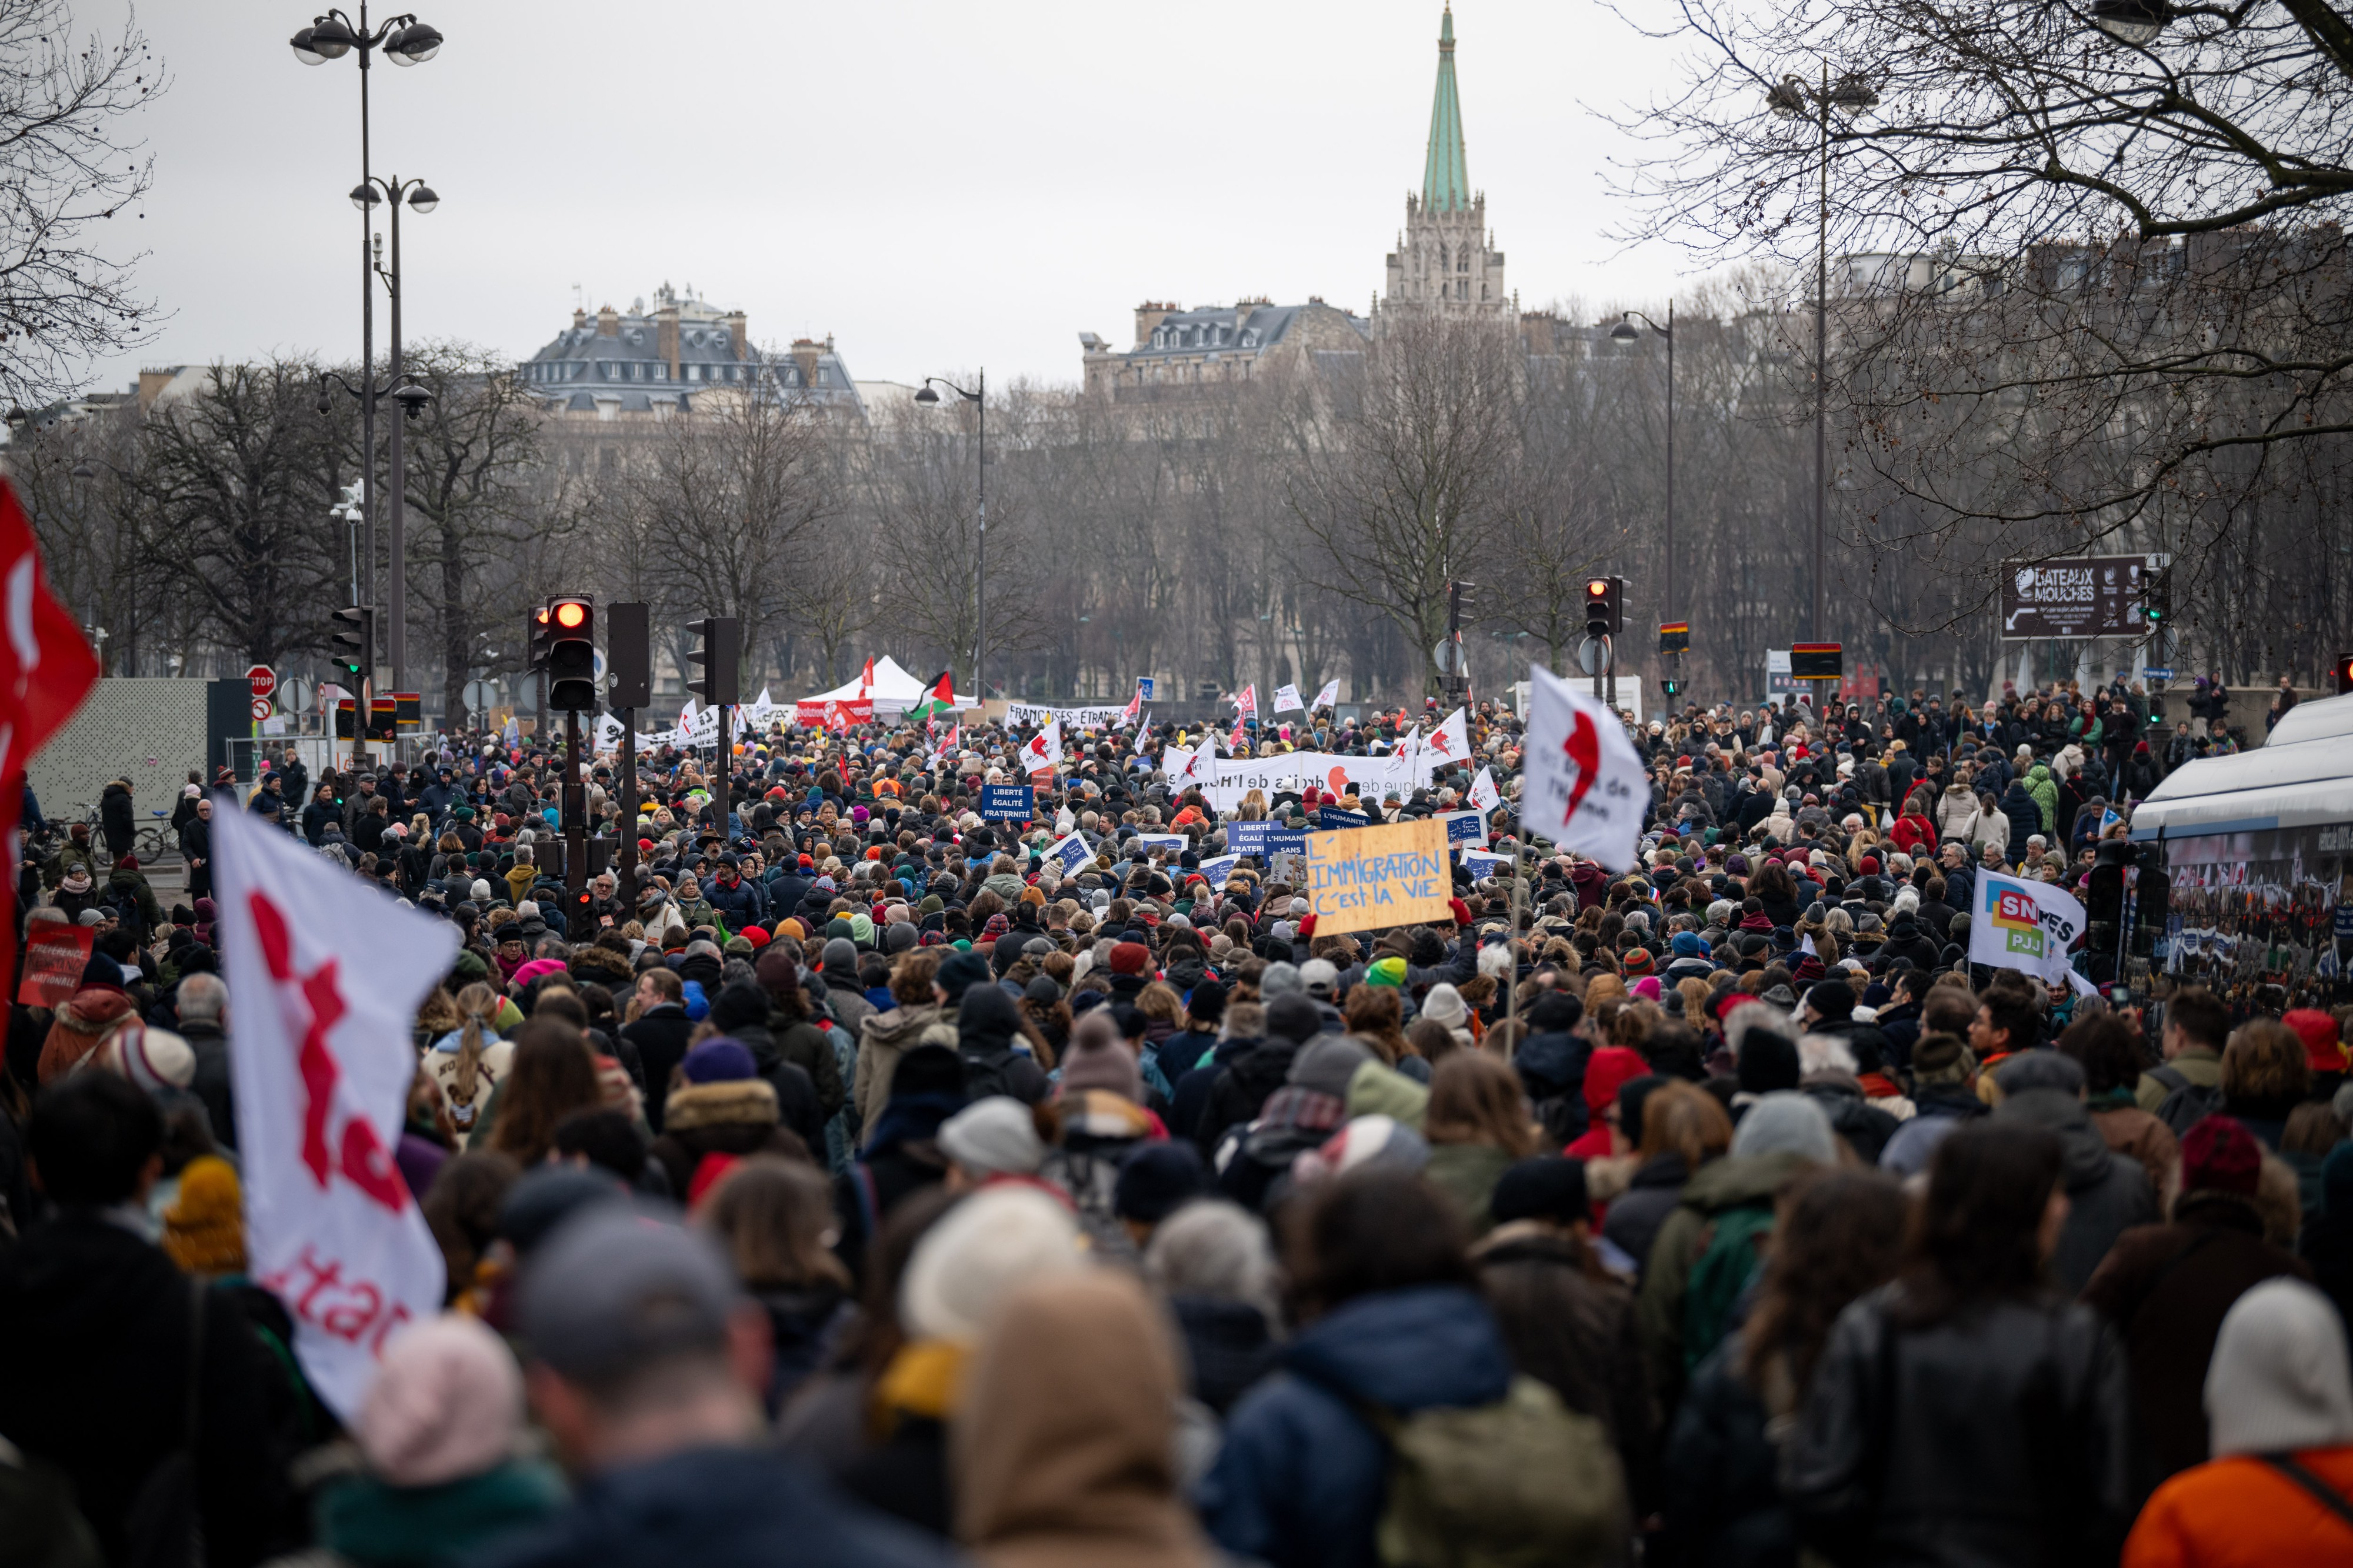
pixel 263 679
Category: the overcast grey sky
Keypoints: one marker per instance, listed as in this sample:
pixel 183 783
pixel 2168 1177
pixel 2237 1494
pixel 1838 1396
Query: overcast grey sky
pixel 938 185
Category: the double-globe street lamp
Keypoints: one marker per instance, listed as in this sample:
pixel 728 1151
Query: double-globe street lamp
pixel 1852 95
pixel 405 41
pixel 979 399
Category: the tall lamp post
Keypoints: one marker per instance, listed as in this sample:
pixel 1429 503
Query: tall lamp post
pixel 926 397
pixel 405 41
pixel 1625 332
pixel 1792 98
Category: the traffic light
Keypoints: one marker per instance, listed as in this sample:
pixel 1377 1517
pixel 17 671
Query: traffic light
pixel 719 655
pixel 2105 932
pixel 629 655
pixel 2341 674
pixel 2156 603
pixel 1603 613
pixel 572 654
pixel 355 643
pixel 1672 687
pixel 539 631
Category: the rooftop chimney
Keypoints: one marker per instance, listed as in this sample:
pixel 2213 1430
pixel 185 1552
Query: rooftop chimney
pixel 666 336
pixel 608 322
pixel 1148 315
pixel 804 356
pixel 579 318
pixel 736 333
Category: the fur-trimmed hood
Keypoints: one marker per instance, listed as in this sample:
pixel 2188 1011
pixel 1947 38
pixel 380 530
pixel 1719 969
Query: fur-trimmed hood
pixel 736 1102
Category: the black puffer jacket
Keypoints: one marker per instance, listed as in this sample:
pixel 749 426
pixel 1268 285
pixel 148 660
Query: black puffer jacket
pixel 1996 1439
pixel 1240 1091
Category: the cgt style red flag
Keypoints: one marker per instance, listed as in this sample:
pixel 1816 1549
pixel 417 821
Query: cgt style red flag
pixel 47 668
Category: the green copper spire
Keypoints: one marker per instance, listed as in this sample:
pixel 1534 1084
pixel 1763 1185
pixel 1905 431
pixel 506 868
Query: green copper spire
pixel 1445 180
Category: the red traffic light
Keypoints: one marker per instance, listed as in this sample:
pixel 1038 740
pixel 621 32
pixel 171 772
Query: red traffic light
pixel 570 614
pixel 1596 588
pixel 2340 675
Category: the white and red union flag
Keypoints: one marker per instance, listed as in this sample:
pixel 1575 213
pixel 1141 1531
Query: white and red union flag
pixel 1583 787
pixel 328 973
pixel 1450 743
pixel 1044 749
pixel 1246 705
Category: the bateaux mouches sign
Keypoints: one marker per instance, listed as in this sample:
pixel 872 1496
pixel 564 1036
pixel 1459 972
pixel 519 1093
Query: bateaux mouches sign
pixel 2085 596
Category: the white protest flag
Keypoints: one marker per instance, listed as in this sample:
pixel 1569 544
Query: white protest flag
pixel 1286 700
pixel 608 732
pixel 1186 766
pixel 327 973
pixel 1329 695
pixel 1484 795
pixel 1044 749
pixel 686 718
pixel 1450 743
pixel 2027 926
pixel 1584 786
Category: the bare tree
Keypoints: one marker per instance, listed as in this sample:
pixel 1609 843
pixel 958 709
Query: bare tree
pixel 65 171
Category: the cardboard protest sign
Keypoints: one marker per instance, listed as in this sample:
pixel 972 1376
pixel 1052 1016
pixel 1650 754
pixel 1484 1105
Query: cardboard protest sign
pixel 1371 877
pixel 55 955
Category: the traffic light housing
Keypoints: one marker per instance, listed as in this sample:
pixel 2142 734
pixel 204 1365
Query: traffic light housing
pixel 1605 611
pixel 1671 687
pixel 539 626
pixel 2341 674
pixel 629 655
pixel 355 643
pixel 572 653
pixel 721 656
pixel 2157 602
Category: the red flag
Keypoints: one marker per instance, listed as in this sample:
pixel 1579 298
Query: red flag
pixel 47 668
pixel 866 680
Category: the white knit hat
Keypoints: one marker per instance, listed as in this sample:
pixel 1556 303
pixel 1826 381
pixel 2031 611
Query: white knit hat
pixel 2279 1380
pixel 154 1059
pixel 999 1239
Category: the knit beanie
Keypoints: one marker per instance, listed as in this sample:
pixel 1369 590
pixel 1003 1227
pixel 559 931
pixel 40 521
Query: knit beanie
pixel 1130 958
pixel 994 1137
pixel 446 1404
pixel 1786 1123
pixel 1941 1058
pixel 999 1237
pixel 1444 1005
pixel 203 1231
pixel 1158 1179
pixel 155 1059
pixel 1385 971
pixel 1327 1064
pixel 1099 1058
pixel 718 1061
pixel 1547 1187
pixel 2219 1154
pixel 2279 1380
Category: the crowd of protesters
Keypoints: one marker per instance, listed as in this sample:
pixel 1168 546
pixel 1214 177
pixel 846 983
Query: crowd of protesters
pixel 868 1184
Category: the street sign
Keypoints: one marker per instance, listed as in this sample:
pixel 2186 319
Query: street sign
pixel 2154 673
pixel 1817 661
pixel 1143 685
pixel 1674 636
pixel 262 679
pixel 260 709
pixel 2081 596
pixel 296 695
pixel 481 696
pixel 1448 655
pixel 1594 655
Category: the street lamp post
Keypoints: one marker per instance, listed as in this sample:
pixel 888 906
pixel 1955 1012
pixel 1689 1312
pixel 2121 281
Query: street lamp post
pixel 405 41
pixel 1625 332
pixel 926 396
pixel 1789 100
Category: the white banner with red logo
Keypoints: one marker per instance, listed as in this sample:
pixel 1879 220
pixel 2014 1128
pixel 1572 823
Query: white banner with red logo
pixel 1043 749
pixel 1583 787
pixel 327 973
pixel 835 714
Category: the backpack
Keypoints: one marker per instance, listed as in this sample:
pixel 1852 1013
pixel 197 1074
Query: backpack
pixel 2189 1105
pixel 986 1076
pixel 1722 1273
pixel 124 902
pixel 1525 1483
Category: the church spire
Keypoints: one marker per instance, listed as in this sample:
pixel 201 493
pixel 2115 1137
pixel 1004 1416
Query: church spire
pixel 1445 181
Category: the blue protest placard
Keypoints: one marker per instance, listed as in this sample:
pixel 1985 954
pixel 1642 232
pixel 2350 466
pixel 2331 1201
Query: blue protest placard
pixel 1007 803
pixel 1073 852
pixel 1217 870
pixel 1285 841
pixel 1331 818
pixel 1166 843
pixel 1463 827
pixel 1248 838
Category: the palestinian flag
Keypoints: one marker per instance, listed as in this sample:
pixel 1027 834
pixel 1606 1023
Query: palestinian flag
pixel 939 697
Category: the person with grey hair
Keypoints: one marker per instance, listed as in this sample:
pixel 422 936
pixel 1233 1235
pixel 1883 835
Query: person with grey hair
pixel 202 1003
pixel 1213 1261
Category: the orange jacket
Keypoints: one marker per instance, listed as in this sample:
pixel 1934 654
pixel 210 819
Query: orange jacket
pixel 2240 1512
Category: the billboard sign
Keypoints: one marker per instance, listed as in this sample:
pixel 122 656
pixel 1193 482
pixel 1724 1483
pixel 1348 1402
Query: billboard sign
pixel 2085 596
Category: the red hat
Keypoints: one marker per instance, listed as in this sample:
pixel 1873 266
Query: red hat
pixel 1637 960
pixel 2219 1154
pixel 1611 1068
pixel 1870 867
pixel 756 935
pixel 2323 1047
pixel 645 846
pixel 1127 957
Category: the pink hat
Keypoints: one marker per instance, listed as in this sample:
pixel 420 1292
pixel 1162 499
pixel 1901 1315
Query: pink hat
pixel 447 1404
pixel 1647 988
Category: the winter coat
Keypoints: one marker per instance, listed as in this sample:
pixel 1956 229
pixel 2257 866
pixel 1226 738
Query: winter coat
pixel 1229 1345
pixel 1241 1090
pixel 2107 1194
pixel 1957 813
pixel 2164 1288
pixel 1715 1189
pixel 2130 1131
pixel 2044 789
pixel 441 1061
pixel 2240 1511
pixel 729 1117
pixel 114 820
pixel 2025 814
pixel 365 1520
pixel 1865 1127
pixel 1997 1437
pixel 1467 1174
pixel 1568 1329
pixel 127 886
pixel 796 1096
pixel 98 1386
pixel 1720 1483
pixel 659 1035
pixel 986 1027
pixel 719 1508
pixel 883 1039
pixel 807 1047
pixel 1302 1478
pixel 1653 1192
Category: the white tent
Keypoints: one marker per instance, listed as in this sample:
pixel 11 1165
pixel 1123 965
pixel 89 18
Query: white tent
pixel 895 691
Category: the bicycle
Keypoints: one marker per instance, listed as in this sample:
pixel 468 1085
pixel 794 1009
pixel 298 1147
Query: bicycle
pixel 155 841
